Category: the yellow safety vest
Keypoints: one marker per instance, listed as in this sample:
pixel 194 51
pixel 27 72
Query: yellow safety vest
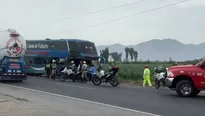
pixel 146 72
pixel 48 65
pixel 54 66
pixel 85 67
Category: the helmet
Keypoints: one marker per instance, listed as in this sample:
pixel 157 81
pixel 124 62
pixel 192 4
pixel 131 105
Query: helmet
pixel 146 66
pixel 84 62
pixel 54 61
pixel 72 62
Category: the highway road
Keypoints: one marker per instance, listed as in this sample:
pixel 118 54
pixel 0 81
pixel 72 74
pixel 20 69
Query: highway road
pixel 162 102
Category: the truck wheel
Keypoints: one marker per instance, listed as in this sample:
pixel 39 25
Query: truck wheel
pixel 185 88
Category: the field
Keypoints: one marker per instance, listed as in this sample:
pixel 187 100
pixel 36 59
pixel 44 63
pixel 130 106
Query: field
pixel 132 72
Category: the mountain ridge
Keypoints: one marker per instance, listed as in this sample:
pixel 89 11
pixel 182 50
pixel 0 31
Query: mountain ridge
pixel 161 49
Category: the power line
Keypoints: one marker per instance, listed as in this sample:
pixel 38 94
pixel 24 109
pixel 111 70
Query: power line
pixel 111 8
pixel 150 10
pixel 102 10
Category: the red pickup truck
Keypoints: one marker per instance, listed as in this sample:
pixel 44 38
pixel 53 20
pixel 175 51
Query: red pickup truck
pixel 187 80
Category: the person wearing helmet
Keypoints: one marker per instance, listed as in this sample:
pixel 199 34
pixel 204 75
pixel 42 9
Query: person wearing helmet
pixel 146 76
pixel 54 68
pixel 73 68
pixel 72 65
pixel 84 71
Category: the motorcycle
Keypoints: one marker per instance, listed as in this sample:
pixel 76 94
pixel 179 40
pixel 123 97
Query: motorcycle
pixel 67 73
pixel 110 77
pixel 159 78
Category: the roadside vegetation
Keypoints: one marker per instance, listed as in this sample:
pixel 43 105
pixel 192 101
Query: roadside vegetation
pixel 132 70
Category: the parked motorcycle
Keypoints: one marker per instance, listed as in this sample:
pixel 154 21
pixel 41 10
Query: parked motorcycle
pixel 159 77
pixel 67 73
pixel 110 77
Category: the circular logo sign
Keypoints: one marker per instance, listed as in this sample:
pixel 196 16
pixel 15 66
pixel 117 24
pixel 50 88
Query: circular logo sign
pixel 14 47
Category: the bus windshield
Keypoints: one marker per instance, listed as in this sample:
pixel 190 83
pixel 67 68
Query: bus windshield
pixel 87 47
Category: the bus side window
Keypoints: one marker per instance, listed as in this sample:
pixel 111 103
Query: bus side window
pixel 38 60
pixel 73 47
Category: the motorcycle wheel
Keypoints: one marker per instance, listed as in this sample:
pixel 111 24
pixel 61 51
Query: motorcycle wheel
pixel 62 78
pixel 157 84
pixel 96 80
pixel 114 82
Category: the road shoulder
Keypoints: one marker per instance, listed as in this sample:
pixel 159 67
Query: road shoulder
pixel 27 101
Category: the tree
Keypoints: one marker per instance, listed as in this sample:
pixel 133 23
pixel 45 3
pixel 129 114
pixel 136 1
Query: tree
pixel 131 52
pixel 135 55
pixel 170 60
pixel 116 56
pixel 105 53
pixel 127 50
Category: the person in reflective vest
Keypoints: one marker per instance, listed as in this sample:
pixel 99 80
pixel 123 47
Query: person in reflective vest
pixel 110 67
pixel 146 76
pixel 54 68
pixel 84 71
pixel 48 69
pixel 73 68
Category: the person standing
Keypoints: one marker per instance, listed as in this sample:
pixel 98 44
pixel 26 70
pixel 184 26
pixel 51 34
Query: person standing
pixel 99 68
pixel 110 67
pixel 92 70
pixel 48 69
pixel 84 71
pixel 73 68
pixel 146 76
pixel 54 68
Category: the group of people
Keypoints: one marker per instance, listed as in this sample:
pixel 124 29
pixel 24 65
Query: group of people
pixel 83 67
pixel 51 69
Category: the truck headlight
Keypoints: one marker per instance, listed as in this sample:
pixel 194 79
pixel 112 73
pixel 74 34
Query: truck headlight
pixel 170 74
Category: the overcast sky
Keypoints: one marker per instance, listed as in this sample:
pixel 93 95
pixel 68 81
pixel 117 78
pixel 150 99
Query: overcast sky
pixel 39 19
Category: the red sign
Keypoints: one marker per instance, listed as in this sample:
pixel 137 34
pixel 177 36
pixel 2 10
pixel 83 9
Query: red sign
pixel 40 53
pixel 14 66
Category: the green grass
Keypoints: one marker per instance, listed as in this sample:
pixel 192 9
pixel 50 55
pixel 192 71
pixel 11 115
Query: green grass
pixel 133 72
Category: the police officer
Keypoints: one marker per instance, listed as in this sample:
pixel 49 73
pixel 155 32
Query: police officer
pixel 84 71
pixel 54 68
pixel 73 68
pixel 146 76
pixel 110 67
pixel 48 69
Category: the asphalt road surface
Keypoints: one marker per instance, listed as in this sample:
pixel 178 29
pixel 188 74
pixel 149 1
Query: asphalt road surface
pixel 162 102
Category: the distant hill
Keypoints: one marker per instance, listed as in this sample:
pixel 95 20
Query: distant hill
pixel 157 49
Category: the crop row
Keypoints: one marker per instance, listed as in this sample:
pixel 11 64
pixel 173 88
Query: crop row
pixel 133 72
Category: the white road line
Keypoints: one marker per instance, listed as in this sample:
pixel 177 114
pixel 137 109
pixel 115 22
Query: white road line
pixel 80 87
pixel 83 100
